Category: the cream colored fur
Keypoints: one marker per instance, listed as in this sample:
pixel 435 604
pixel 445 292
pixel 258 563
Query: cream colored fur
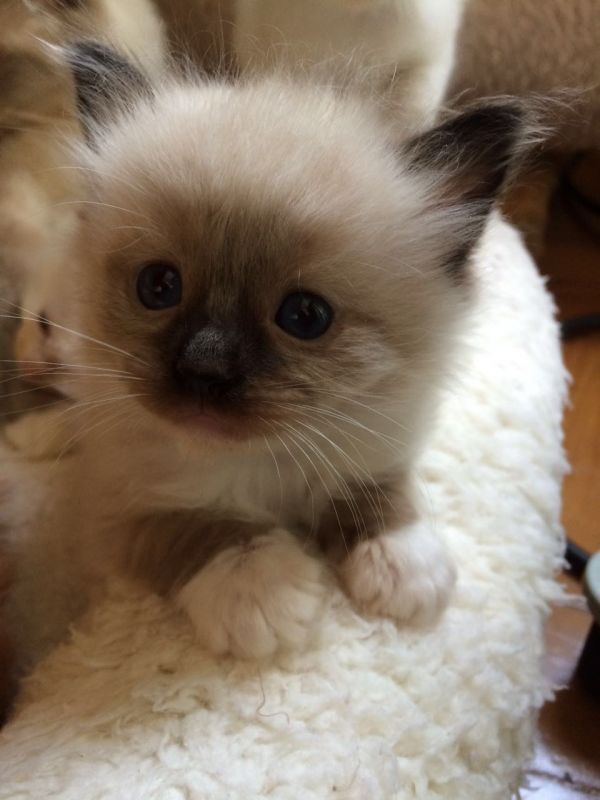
pixel 335 206
pixel 407 45
pixel 255 603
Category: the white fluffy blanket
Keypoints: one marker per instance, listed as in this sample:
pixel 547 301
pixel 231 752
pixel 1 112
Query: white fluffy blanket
pixel 133 709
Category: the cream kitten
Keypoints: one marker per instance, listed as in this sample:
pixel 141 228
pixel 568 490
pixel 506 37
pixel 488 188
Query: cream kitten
pixel 408 44
pixel 267 292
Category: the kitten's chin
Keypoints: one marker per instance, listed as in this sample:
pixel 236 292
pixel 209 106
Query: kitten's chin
pixel 206 425
pixel 218 426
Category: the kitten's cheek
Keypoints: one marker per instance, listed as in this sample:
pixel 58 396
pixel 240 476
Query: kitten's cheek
pixel 406 575
pixel 251 601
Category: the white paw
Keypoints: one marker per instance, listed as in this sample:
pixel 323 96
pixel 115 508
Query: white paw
pixel 253 600
pixel 406 575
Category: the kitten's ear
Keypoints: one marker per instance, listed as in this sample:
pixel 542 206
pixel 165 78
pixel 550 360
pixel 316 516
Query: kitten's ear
pixel 68 4
pixel 467 161
pixel 105 82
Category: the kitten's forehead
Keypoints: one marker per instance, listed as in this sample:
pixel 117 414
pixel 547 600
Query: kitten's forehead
pixel 259 147
pixel 228 246
pixel 235 184
pixel 228 250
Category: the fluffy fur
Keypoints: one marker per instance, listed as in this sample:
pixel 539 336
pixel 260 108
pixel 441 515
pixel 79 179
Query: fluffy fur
pixel 408 45
pixel 312 448
pixel 134 708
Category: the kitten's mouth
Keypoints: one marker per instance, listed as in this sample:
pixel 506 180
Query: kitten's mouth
pixel 203 420
pixel 217 425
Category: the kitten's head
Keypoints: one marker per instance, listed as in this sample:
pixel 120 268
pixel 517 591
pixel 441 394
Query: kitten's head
pixel 263 253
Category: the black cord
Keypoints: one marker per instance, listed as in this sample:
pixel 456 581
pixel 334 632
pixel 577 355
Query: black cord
pixel 581 206
pixel 577 559
pixel 579 326
pixel 576 202
pixel 570 190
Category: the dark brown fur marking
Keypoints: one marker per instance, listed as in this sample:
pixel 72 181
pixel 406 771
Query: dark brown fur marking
pixel 371 510
pixel 166 549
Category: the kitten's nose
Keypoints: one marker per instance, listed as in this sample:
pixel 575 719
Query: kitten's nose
pixel 207 365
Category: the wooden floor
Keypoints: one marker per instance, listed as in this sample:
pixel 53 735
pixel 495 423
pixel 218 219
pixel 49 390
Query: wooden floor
pixel 567 759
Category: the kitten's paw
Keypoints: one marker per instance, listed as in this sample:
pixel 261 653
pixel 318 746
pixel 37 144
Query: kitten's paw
pixel 407 575
pixel 255 599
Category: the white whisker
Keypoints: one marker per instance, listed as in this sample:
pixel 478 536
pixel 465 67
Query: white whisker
pixel 273 456
pixel 35 318
pixel 308 485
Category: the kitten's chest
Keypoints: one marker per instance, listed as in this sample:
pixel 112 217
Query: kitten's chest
pixel 255 486
pixel 284 487
pixel 261 489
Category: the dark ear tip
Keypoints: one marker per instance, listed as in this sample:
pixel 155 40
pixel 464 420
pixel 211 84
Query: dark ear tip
pixel 105 81
pixel 496 121
pixel 492 122
pixel 68 5
pixel 498 113
pixel 90 54
pixel 488 137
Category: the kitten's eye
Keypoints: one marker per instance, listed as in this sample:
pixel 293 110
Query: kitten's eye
pixel 159 285
pixel 304 315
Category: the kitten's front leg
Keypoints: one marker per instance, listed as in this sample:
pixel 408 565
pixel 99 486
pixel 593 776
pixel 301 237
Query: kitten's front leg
pixel 248 591
pixel 391 563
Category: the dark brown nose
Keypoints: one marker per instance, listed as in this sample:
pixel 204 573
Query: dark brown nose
pixel 207 366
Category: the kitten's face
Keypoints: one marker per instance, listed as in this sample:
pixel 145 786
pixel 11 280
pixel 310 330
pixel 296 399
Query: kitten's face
pixel 258 283
pixel 264 259
pixel 243 316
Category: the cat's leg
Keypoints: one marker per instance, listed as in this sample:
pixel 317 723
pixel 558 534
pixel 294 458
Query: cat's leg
pixel 248 590
pixel 390 561
pixel 417 90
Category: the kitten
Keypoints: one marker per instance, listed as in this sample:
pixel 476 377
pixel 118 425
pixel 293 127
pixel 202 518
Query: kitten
pixel 267 291
pixel 406 45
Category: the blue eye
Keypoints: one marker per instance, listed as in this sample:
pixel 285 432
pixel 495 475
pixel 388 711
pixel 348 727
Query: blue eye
pixel 304 315
pixel 159 285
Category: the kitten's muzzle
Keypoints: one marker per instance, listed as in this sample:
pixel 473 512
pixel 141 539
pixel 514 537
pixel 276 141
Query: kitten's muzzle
pixel 207 366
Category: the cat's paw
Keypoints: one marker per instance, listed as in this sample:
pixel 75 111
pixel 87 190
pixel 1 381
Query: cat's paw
pixel 406 575
pixel 254 599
